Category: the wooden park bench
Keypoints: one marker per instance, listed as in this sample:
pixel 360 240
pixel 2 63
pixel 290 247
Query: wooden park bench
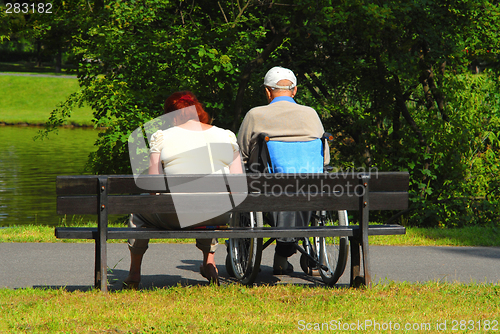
pixel 119 194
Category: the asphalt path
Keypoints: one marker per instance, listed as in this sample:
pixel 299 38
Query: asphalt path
pixel 70 266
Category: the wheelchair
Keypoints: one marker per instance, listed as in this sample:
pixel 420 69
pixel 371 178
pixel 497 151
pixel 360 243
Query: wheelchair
pixel 326 256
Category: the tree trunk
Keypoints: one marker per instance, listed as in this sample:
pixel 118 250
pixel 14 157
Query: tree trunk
pixel 247 72
pixel 59 60
pixel 401 105
pixel 432 94
pixel 38 53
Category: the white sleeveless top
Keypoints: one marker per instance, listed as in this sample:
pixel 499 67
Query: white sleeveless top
pixel 185 151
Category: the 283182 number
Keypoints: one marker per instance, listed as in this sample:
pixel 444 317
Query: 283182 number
pixel 485 325
pixel 25 8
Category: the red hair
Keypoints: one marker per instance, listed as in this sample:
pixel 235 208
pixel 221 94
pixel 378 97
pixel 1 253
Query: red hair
pixel 184 99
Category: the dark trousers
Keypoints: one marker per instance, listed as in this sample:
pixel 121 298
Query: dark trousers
pixel 285 247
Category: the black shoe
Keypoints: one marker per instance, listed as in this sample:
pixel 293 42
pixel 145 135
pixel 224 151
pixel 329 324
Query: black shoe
pixel 281 266
pixel 281 271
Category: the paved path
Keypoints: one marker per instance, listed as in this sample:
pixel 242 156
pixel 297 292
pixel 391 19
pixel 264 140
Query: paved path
pixel 71 265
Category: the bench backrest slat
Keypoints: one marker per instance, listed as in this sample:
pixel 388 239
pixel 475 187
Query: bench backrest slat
pixel 126 184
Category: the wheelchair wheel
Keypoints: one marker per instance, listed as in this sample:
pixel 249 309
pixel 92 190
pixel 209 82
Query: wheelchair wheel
pixel 331 251
pixel 244 255
pixel 311 247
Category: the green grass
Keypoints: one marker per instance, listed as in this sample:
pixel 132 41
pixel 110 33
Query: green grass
pixel 468 236
pixel 41 233
pixel 27 99
pixel 267 309
pixel 31 67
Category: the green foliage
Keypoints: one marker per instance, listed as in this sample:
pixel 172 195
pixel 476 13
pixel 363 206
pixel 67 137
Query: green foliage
pixel 391 80
pixel 455 180
pixel 135 54
pixel 399 96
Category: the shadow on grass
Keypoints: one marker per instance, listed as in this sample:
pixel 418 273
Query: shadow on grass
pixel 153 282
pixel 476 252
pixel 466 236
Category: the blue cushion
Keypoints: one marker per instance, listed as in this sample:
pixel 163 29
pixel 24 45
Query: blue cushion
pixel 296 156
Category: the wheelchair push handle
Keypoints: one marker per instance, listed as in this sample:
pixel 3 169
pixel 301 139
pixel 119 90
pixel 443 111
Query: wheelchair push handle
pixel 328 136
pixel 264 137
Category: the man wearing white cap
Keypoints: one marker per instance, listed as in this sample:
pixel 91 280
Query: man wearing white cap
pixel 284 120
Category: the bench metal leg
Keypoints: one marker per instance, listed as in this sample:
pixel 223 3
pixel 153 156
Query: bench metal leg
pixel 356 279
pixel 100 279
pixel 360 272
pixel 101 267
pixel 364 222
pixel 359 244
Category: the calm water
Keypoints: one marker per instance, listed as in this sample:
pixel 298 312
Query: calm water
pixel 28 171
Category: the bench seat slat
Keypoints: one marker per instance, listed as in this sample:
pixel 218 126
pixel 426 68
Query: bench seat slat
pixel 270 232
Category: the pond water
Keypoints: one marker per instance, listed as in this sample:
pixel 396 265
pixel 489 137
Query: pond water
pixel 28 171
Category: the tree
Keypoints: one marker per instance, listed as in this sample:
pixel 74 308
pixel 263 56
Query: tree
pixel 386 76
pixel 48 29
pixel 394 73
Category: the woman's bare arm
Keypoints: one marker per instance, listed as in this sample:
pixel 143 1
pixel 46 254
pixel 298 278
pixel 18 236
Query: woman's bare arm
pixel 155 164
pixel 236 167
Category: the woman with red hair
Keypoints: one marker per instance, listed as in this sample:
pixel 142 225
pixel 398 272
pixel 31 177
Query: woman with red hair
pixel 191 146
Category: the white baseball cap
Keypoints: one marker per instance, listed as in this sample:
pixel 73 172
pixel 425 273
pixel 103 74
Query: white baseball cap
pixel 278 73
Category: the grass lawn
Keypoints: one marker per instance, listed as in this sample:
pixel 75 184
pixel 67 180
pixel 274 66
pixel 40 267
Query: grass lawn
pixel 410 308
pixel 30 99
pixel 432 307
pixel 469 236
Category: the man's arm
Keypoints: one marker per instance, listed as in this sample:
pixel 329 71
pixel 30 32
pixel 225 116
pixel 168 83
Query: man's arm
pixel 244 137
pixel 320 131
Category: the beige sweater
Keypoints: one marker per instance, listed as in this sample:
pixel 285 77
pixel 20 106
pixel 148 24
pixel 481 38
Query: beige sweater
pixel 284 121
